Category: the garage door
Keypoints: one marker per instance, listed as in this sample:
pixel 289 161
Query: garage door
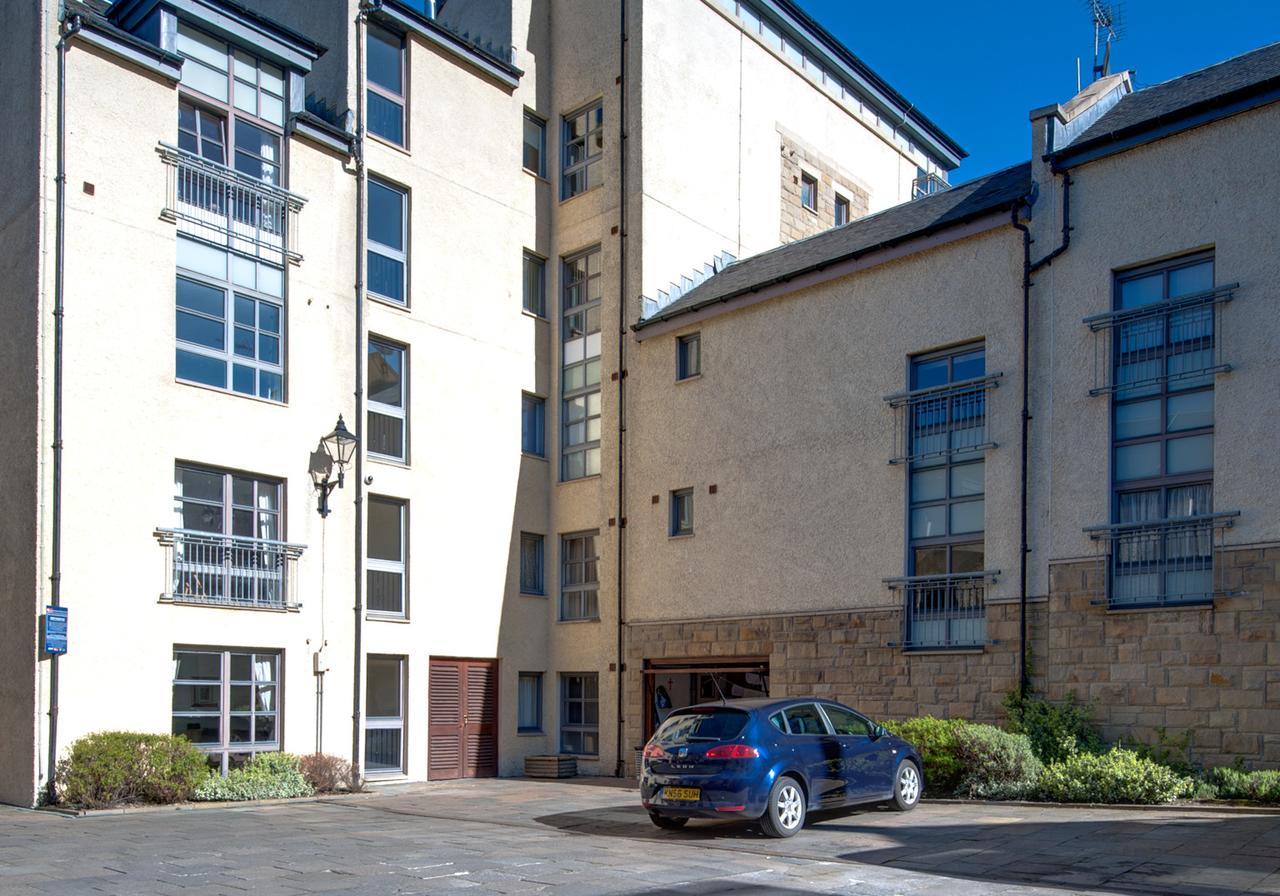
pixel 462 719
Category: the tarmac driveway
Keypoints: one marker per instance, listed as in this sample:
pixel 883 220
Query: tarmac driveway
pixel 591 837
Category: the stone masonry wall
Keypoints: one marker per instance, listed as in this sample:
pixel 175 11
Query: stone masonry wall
pixel 798 222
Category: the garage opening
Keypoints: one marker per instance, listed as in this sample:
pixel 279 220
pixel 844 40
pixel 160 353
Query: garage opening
pixel 673 684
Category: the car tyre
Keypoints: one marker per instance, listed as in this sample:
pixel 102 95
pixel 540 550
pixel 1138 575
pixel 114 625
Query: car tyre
pixel 908 785
pixel 785 811
pixel 667 822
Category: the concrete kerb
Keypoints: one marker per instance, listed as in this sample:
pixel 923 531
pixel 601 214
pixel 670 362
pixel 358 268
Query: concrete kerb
pixel 1226 807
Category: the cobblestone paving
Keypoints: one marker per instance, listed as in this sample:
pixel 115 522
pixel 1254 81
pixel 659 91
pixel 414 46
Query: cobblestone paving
pixel 590 837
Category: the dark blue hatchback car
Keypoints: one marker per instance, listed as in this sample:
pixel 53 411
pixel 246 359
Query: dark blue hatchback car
pixel 773 760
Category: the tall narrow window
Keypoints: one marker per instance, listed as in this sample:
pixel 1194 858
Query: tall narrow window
pixel 580 713
pixel 535 284
pixel 388 237
pixel 388 409
pixel 682 512
pixel 529 703
pixel 579 581
pixel 385 563
pixel 227 702
pixel 230 321
pixel 809 192
pixel 580 372
pixel 842 210
pixel 1162 431
pixel 583 147
pixel 386 80
pixel 384 715
pixel 689 356
pixel 531 570
pixel 535 144
pixel 533 411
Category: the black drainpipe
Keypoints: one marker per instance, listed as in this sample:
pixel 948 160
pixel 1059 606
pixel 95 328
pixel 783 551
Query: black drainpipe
pixel 619 765
pixel 69 27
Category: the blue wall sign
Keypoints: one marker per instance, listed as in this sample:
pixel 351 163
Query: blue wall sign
pixel 55 630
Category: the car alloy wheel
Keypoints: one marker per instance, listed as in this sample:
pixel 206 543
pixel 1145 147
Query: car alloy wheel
pixel 906 790
pixel 784 813
pixel 790 806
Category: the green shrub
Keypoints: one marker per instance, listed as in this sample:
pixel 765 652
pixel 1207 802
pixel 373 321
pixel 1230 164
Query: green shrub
pixel 996 764
pixel 325 773
pixel 1170 750
pixel 1117 776
pixel 1236 784
pixel 935 740
pixel 265 776
pixel 1056 730
pixel 112 768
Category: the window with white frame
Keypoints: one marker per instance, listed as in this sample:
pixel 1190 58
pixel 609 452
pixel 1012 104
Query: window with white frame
pixel 535 144
pixel 583 148
pixel 529 703
pixel 385 562
pixel 229 321
pixel 227 702
pixel 809 191
pixel 580 365
pixel 386 85
pixel 384 715
pixel 388 407
pixel 842 210
pixel 579 577
pixel 532 577
pixel 689 356
pixel 388 262
pixel 580 713
pixel 682 512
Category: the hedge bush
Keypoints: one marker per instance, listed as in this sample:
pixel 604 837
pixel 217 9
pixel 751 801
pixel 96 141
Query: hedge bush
pixel 996 764
pixel 265 776
pixel 1117 776
pixel 325 773
pixel 112 768
pixel 1235 784
pixel 935 740
pixel 1057 731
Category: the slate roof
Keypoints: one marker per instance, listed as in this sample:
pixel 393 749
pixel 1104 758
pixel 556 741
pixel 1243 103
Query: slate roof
pixel 958 205
pixel 1164 104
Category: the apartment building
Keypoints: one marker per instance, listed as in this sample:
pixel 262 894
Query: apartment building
pixel 1030 417
pixel 278 277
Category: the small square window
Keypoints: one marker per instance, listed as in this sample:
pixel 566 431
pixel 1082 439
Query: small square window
pixel 535 284
pixel 682 512
pixel 535 144
pixel 809 192
pixel 529 709
pixel 689 356
pixel 533 413
pixel 842 210
pixel 531 568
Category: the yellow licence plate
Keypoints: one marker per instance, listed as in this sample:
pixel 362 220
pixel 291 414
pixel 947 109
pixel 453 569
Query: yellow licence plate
pixel 691 794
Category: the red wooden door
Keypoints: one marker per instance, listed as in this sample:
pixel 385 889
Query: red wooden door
pixel 462 719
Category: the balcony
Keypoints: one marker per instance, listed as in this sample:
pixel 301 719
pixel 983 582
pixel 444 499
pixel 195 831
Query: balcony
pixel 221 205
pixel 228 571
pixel 944 612
pixel 1162 562
pixel 941 421
pixel 927 185
pixel 1176 341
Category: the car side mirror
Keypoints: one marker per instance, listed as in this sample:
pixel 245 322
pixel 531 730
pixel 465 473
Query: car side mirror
pixel 878 731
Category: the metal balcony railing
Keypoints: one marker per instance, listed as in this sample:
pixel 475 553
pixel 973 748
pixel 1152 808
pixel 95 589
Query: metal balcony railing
pixel 222 205
pixel 224 570
pixel 942 420
pixel 1162 562
pixel 942 612
pixel 1171 341
pixel 927 186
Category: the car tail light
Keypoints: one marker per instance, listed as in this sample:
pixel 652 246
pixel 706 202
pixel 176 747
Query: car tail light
pixel 733 751
pixel 653 751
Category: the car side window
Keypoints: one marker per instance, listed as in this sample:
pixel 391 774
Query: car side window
pixel 805 719
pixel 777 721
pixel 846 722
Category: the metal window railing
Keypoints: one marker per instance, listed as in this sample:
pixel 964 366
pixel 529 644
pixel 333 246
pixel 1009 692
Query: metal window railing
pixel 927 185
pixel 225 570
pixel 947 611
pixel 1171 341
pixel 942 420
pixel 222 205
pixel 1162 562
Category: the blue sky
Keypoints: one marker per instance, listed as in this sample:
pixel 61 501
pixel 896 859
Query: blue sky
pixel 978 69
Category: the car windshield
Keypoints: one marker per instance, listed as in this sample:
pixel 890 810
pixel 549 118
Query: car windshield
pixel 701 725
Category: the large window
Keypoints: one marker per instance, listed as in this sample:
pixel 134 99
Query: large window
pixel 227 702
pixel 233 102
pixel 385 564
pixel 1162 432
pixel 386 79
pixel 533 413
pixel 388 408
pixel 230 321
pixel 535 284
pixel 535 144
pixel 529 703
pixel 384 715
pixel 583 146
pixel 388 239
pixel 579 577
pixel 580 371
pixel 580 713
pixel 225 503
pixel 532 576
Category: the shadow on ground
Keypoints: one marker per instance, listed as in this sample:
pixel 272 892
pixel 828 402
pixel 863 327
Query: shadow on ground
pixel 1139 852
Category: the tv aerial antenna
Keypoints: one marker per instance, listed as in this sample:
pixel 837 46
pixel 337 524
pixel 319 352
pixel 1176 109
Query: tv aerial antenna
pixel 1106 28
